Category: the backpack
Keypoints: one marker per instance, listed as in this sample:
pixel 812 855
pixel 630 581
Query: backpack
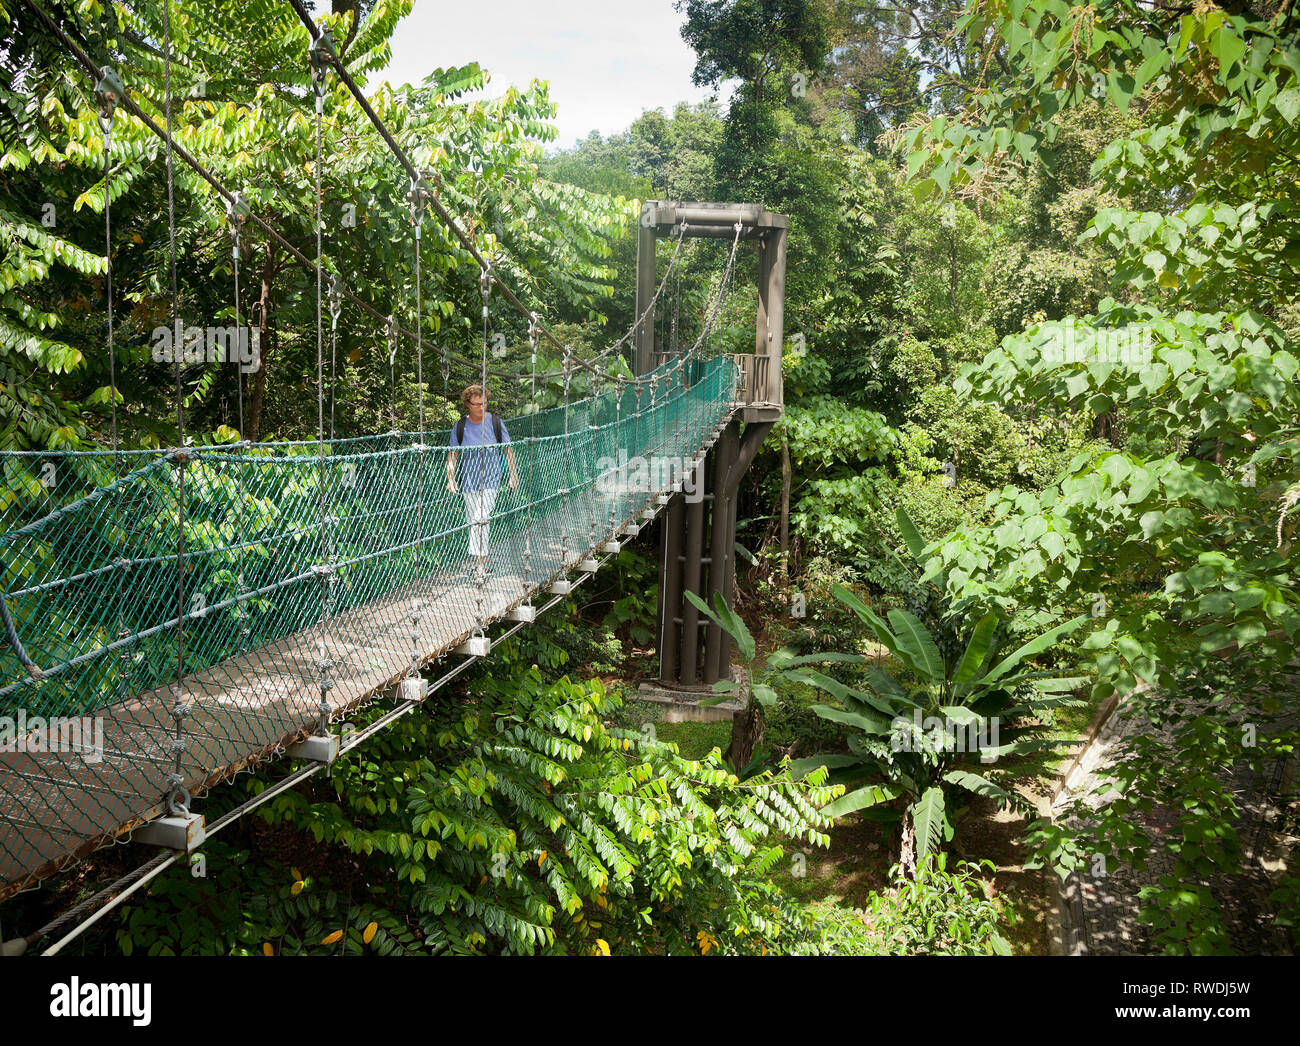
pixel 496 428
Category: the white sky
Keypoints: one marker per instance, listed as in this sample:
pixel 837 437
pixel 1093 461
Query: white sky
pixel 606 60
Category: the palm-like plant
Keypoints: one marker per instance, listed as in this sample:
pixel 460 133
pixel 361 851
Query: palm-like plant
pixel 917 741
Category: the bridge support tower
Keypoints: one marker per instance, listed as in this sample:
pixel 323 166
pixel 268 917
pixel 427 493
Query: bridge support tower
pixel 698 528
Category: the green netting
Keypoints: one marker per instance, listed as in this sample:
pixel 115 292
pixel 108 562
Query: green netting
pixel 288 549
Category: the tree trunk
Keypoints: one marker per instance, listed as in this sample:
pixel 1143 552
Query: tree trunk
pixel 747 732
pixel 907 851
pixel 785 504
pixel 258 395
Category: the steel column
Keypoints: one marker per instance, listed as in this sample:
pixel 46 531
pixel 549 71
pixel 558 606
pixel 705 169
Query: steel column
pixel 727 448
pixel 670 588
pixel 690 651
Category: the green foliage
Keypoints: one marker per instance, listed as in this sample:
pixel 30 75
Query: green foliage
pixel 633 609
pixel 520 824
pixel 251 123
pixel 937 913
pixel 1179 534
pixel 916 736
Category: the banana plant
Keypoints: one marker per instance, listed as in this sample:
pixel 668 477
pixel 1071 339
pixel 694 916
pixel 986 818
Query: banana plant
pixel 941 727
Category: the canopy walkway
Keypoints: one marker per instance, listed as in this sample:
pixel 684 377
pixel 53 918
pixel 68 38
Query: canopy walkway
pixel 169 618
pixel 288 624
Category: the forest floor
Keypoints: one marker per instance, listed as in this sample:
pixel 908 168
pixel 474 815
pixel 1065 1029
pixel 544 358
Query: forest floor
pixel 862 851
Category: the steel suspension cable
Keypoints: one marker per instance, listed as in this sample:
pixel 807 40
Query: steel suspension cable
pixel 434 202
pixel 325 572
pixel 107 89
pixel 127 103
pixel 178 798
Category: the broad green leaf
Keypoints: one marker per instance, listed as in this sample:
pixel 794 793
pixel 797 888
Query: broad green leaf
pixel 1034 647
pixel 871 795
pixel 915 543
pixel 978 785
pixel 801 767
pixel 865 723
pixel 914 640
pixel 735 627
pixel 930 819
pixel 977 649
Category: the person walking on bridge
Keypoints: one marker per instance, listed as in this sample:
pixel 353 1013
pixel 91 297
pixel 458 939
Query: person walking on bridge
pixel 480 472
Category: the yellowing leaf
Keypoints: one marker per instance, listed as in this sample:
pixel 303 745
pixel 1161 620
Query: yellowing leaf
pixel 354 356
pixel 706 942
pixel 541 858
pixel 296 888
pixel 267 949
pixel 602 946
pixel 369 934
pixel 333 938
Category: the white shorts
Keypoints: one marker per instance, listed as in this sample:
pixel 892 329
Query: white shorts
pixel 478 511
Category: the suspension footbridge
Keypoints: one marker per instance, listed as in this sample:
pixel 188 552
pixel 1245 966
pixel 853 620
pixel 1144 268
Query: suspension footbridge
pixel 173 617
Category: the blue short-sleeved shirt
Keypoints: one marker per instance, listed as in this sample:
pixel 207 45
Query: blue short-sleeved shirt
pixel 480 469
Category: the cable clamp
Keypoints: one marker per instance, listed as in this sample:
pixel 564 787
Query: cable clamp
pixel 322 50
pixel 109 90
pixel 322 570
pixel 336 299
pixel 237 212
pixel 178 799
pixel 182 457
pixel 417 197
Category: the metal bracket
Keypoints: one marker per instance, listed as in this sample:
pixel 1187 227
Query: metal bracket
pixel 321 47
pixel 589 566
pixel 612 547
pixel 559 588
pixel 632 530
pixel 109 90
pixel 414 689
pixel 524 613
pixel 319 748
pixel 418 197
pixel 475 646
pixel 237 209
pixel 183 832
